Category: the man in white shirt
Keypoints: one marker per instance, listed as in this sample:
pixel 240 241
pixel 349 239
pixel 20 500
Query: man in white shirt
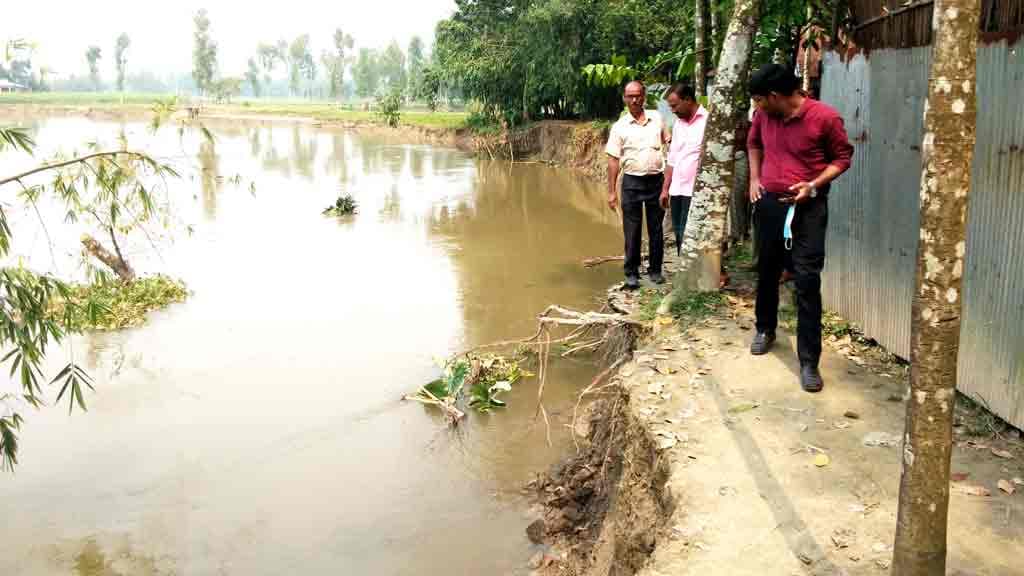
pixel 683 155
pixel 636 148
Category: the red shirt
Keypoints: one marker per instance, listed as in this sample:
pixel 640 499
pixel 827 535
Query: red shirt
pixel 799 148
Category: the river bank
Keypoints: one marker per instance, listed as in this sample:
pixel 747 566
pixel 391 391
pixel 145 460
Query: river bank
pixel 701 459
pixel 576 145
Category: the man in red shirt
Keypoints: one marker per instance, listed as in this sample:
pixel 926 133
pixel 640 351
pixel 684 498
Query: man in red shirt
pixel 796 146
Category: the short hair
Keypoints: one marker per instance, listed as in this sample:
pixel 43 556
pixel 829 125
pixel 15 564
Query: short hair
pixel 642 85
pixel 684 91
pixel 773 78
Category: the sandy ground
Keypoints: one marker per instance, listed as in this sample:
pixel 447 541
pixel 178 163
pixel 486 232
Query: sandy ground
pixel 767 479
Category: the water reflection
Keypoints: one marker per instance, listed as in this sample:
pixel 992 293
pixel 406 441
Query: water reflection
pixel 209 176
pixel 256 428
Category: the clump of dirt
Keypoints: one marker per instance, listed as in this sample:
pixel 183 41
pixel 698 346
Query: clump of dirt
pixel 604 507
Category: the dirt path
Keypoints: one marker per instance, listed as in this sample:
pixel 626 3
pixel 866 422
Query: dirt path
pixel 751 476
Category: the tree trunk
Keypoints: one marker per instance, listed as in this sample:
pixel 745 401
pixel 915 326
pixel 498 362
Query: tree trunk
pixel 947 151
pixel 713 32
pixel 115 262
pixel 701 47
pixel 805 42
pixel 701 260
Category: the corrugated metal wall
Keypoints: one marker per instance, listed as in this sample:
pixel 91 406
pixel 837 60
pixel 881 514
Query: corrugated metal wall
pixel 873 221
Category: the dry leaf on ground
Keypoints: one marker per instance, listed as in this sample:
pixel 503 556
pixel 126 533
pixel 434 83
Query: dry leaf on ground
pixel 821 460
pixel 1007 487
pixel 975 491
pixel 1002 453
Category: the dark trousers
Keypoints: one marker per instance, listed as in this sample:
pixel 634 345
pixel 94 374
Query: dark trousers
pixel 640 194
pixel 680 211
pixel 806 260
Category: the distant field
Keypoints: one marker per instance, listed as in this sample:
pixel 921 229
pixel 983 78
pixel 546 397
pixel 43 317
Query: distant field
pixel 328 111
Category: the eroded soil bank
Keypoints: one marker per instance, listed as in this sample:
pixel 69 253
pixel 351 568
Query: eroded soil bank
pixel 701 459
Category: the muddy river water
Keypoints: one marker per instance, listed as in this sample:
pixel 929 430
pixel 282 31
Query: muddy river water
pixel 258 428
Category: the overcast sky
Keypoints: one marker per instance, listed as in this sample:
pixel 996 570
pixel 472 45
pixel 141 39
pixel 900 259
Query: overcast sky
pixel 161 32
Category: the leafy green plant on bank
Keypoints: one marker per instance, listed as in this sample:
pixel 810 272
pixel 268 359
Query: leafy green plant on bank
pixel 389 108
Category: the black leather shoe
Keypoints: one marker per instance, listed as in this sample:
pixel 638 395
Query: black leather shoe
pixel 656 278
pixel 810 378
pixel 632 283
pixel 762 343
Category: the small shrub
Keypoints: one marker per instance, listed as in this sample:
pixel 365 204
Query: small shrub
pixel 389 108
pixel 345 205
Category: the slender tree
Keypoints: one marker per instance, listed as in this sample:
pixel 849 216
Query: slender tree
pixel 392 67
pixel 93 55
pixel 300 61
pixel 701 46
pixel 415 61
pixel 121 59
pixel 252 76
pixel 701 259
pixel 365 72
pixel 269 55
pixel 947 151
pixel 204 53
pixel 334 62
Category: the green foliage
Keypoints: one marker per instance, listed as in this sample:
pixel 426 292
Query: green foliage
pixel 17 138
pixel 345 205
pixel 389 107
pixel 37 311
pixel 108 304
pixel 365 73
pixel 392 68
pixel 300 63
pixel 204 52
pixel 522 58
pixel 427 87
pixel 415 64
pixel 226 88
pixel 487 376
pixel 649 302
pixel 697 305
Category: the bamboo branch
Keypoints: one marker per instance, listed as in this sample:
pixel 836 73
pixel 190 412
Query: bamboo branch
pixel 78 160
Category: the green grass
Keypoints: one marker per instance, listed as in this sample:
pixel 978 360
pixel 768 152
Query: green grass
pixel 649 302
pixel 324 111
pixel 81 98
pixel 740 255
pixel 697 305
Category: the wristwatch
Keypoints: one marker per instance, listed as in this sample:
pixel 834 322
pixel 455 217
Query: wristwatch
pixel 814 192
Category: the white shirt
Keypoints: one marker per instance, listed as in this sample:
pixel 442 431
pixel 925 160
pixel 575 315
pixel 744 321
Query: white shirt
pixel 640 146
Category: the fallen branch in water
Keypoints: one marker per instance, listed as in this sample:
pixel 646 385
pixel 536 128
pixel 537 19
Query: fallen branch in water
pixel 613 335
pixel 598 260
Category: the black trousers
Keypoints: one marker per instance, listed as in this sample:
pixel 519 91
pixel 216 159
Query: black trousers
pixel 806 259
pixel 639 195
pixel 680 212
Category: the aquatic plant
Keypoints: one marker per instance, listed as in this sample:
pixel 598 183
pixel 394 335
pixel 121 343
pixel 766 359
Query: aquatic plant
pixel 110 304
pixel 345 205
pixel 476 381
